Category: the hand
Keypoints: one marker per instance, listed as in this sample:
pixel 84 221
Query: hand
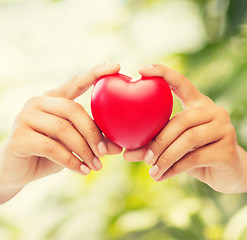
pixel 200 140
pixel 50 129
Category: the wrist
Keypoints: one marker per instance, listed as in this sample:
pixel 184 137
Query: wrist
pixel 243 184
pixel 7 192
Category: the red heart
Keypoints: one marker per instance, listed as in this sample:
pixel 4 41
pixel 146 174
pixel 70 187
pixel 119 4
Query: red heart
pixel 131 114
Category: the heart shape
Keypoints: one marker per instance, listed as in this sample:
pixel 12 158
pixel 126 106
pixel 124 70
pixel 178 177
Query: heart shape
pixel 131 113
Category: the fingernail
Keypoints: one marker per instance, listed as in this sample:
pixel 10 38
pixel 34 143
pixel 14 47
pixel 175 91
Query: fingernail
pixel 149 157
pixel 85 169
pixel 97 163
pixel 102 148
pixel 153 171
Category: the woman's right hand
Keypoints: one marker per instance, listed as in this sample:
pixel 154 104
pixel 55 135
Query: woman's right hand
pixel 50 129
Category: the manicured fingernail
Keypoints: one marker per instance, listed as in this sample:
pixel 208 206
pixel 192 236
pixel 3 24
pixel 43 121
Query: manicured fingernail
pixel 149 157
pixel 97 163
pixel 85 169
pixel 102 148
pixel 153 171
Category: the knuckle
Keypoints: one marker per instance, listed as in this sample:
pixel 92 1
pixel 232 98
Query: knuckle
pixel 78 88
pixel 62 125
pixel 183 117
pixel 50 146
pixel 93 130
pixel 23 117
pixel 32 102
pixel 51 93
pixel 86 152
pixel 20 118
pixel 223 113
pixel 205 100
pixel 158 142
pixel 74 108
pixel 70 161
pixel 230 132
pixel 164 158
pixel 190 135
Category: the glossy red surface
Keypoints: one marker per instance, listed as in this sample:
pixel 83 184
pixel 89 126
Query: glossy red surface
pixel 129 113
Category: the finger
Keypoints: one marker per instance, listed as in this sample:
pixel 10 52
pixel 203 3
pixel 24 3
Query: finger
pixel 180 85
pixel 198 159
pixel 62 130
pixel 199 163
pixel 79 84
pixel 182 121
pixel 135 155
pixel 189 141
pixel 44 146
pixel 80 119
pixel 112 147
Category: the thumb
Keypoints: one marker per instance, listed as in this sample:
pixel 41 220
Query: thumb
pixel 179 84
pixel 79 84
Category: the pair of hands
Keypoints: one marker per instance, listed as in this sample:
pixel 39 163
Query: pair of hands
pixel 48 131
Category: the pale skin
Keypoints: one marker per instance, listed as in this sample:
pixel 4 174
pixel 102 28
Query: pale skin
pixel 48 131
pixel 200 141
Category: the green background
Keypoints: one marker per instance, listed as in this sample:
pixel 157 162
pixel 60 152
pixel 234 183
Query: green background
pixel 44 43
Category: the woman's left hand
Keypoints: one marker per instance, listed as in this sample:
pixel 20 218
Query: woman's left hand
pixel 200 140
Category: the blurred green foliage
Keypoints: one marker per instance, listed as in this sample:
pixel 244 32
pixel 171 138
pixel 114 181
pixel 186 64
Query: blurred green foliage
pixel 131 205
